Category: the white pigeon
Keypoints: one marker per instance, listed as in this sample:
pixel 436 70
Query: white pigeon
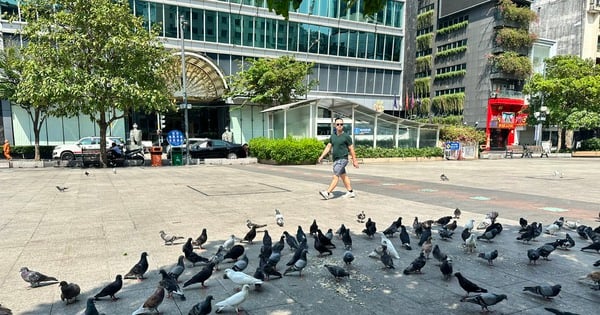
pixel 470 243
pixel 572 225
pixel 229 242
pixel 552 228
pixel 234 301
pixel 470 224
pixel 240 278
pixel 278 217
pixel 390 247
pixel 484 224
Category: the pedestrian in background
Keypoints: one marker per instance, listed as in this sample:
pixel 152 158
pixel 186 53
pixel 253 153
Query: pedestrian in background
pixel 227 135
pixel 6 150
pixel 340 144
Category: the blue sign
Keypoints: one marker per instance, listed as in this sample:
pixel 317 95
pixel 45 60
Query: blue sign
pixel 175 137
pixel 362 131
pixel 452 145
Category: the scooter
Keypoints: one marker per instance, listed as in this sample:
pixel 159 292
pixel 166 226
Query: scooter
pixel 129 155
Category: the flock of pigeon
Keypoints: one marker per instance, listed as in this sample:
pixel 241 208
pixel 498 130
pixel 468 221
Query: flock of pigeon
pixel 270 254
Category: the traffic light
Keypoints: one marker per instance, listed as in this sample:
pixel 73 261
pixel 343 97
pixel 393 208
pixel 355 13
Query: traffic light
pixel 162 122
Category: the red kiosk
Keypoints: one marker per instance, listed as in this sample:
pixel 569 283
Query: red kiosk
pixel 504 115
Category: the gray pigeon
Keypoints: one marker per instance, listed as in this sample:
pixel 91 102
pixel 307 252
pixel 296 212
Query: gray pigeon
pixel 34 278
pixel 348 257
pixel 533 255
pixel 69 292
pixel 489 256
pixel 168 238
pixel 202 308
pixel 485 299
pixel 178 269
pixel 546 291
pixel 278 217
pixel 139 269
pixel 298 265
pixel 337 272
pixel 416 265
pixel 386 259
pixel 111 289
pixel 90 308
pixel 170 285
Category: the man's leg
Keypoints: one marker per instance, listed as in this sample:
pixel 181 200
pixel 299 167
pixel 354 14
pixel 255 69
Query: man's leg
pixel 346 181
pixel 333 184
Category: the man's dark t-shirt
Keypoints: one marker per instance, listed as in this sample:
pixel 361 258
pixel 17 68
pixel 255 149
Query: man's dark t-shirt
pixel 339 145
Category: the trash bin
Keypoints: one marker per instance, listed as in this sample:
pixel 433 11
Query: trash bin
pixel 176 156
pixel 156 156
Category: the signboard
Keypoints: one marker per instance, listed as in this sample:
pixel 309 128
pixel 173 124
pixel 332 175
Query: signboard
pixel 362 131
pixel 175 137
pixel 451 145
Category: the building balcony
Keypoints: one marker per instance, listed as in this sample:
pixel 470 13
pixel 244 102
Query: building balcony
pixel 506 93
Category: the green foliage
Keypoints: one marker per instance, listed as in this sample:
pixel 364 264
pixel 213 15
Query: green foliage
pixel 514 39
pixel 592 144
pixel 425 107
pixel 424 41
pixel 450 52
pixel 422 86
pixel 448 103
pixel 287 151
pixel 450 75
pixel 282 7
pixel 511 12
pixel 462 134
pixel 456 120
pixel 271 80
pixel 452 28
pixel 423 63
pixel 363 151
pixel 425 19
pixel 511 62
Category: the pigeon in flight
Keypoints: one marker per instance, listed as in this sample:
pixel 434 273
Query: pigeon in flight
pixel 202 308
pixel 485 299
pixel 168 238
pixel 69 292
pixel 34 278
pixel 278 217
pixel 138 270
pixel 546 291
pixel 111 289
pixel 444 178
pixel 152 303
pixel 62 189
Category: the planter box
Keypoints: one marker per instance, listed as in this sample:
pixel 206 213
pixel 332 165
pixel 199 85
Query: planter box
pixel 586 154
pixel 27 164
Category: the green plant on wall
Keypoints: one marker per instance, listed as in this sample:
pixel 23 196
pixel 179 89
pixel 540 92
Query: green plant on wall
pixel 422 85
pixel 423 63
pixel 424 107
pixel 512 63
pixel 450 75
pixel 448 104
pixel 424 41
pixel 514 39
pixel 511 12
pixel 450 52
pixel 452 28
pixel 425 19
pixel 462 134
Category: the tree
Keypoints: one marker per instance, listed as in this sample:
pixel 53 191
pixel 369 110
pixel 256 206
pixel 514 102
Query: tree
pixel 368 7
pixel 271 81
pixel 93 57
pixel 570 88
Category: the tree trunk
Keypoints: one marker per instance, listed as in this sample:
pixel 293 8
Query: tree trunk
pixel 103 125
pixel 560 144
pixel 569 134
pixel 36 134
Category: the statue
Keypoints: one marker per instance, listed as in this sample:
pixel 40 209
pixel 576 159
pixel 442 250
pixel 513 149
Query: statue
pixel 227 135
pixel 135 137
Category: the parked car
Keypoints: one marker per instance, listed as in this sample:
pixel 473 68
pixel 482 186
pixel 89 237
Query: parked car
pixel 216 148
pixel 69 152
pixel 192 142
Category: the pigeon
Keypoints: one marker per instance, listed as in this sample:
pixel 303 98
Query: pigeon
pixel 523 223
pixel 298 265
pixel 259 274
pixel 390 247
pixel 250 225
pixel 489 235
pixel 170 285
pixel 328 234
pixel 138 270
pixel 360 218
pixel 444 220
pixel 86 173
pixel 229 242
pixel 249 237
pixel 90 308
pixel 152 303
pixel 111 289
pixel 405 238
pixel 169 239
pixel 313 228
pixel 347 240
pixel 465 235
pixel 241 278
pixel 234 301
pixel 451 226
pixel 278 217
pixel 417 227
pixel 274 258
pixel 321 248
pixel 187 246
pixel 546 291
pixel 427 247
pixel 594 276
pixel 467 285
pixel 348 257
pixel 485 299
pixel 34 278
pixel 457 213
pixel 416 265
pixel 560 222
pixel 545 250
pixel 201 276
pixel 494 226
pixel 470 243
pixel 218 257
pixel 444 178
pixel 62 189
pixel 597 263
pixel 571 224
pixel 279 246
pixel 376 253
pixel 269 270
pixel 446 268
pixel 201 239
pixel 581 231
pixel 445 233
pixel 438 254
pixel 425 235
pixel 386 259
pixel 69 292
pixel 297 255
pixel 470 225
pixel 202 308
pixel 567 242
pixel 337 272
pixel 552 229
pixel 234 252
pixel 114 170
pixel 178 269
pixel 528 234
pixel 267 241
pixel 489 256
pixel 533 255
pixel 300 236
pixel 594 246
pixel 393 228
pixel 194 258
pixel 340 232
pixel 241 263
pixel 557 312
pixel 291 241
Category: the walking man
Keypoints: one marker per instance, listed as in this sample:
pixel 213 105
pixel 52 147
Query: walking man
pixel 340 144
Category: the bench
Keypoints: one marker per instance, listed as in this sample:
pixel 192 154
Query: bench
pixel 532 150
pixel 514 149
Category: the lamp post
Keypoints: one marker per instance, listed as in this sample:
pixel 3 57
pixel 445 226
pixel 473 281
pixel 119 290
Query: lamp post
pixel 541 118
pixel 182 24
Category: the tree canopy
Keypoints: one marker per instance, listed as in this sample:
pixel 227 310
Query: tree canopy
pixel 570 88
pixel 367 7
pixel 93 57
pixel 271 81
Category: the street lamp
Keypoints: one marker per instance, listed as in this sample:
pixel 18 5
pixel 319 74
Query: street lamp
pixel 183 23
pixel 541 118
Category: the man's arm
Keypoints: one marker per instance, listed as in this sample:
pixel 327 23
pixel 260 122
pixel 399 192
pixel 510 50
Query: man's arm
pixel 353 155
pixel 325 151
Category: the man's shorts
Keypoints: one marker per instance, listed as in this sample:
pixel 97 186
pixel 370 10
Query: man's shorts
pixel 339 166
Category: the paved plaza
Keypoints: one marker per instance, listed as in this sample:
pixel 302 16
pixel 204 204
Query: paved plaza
pixel 98 227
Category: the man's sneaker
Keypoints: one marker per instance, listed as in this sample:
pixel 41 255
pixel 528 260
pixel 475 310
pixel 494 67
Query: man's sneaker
pixel 325 194
pixel 349 194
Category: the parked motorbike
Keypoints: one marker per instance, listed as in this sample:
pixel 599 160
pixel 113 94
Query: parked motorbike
pixel 129 155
